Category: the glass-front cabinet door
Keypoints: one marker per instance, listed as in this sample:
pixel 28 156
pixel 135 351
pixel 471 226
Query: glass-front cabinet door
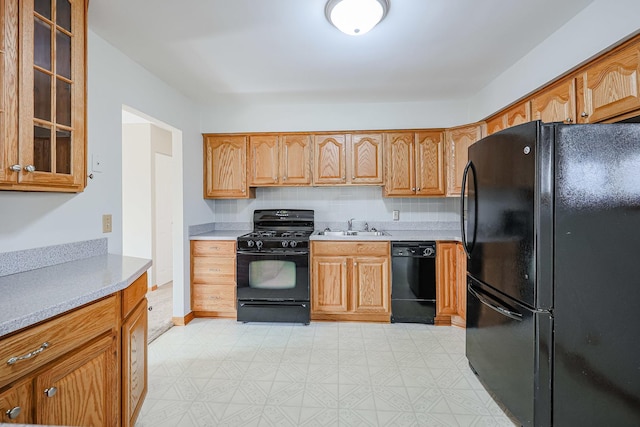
pixel 52 93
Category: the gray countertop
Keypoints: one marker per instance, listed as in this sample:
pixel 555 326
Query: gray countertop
pixel 219 235
pixel 393 235
pixel 36 295
pixel 397 235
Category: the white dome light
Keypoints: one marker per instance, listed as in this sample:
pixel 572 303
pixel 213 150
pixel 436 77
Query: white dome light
pixel 356 17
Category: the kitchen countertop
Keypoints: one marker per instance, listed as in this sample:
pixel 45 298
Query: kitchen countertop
pixel 397 235
pixel 36 295
pixel 393 235
pixel 219 235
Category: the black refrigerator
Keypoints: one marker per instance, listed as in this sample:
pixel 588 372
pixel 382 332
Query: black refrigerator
pixel 551 227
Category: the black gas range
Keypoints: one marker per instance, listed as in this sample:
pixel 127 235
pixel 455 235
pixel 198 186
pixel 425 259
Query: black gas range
pixel 273 267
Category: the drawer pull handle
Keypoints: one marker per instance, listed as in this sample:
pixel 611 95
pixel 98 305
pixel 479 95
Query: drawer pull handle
pixel 214 269
pixel 13 413
pixel 42 348
pixel 51 391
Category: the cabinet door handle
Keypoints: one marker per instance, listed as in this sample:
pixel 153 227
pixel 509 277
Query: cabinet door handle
pixel 13 413
pixel 51 391
pixel 15 168
pixel 29 355
pixel 30 168
pixel 569 120
pixel 584 114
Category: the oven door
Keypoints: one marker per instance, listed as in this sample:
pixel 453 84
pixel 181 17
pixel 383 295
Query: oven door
pixel 273 276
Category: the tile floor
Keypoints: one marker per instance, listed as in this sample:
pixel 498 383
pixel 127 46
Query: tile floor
pixel 224 373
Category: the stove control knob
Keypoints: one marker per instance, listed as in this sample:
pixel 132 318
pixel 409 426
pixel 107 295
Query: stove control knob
pixel 293 243
pixel 250 243
pixel 259 244
pixel 285 243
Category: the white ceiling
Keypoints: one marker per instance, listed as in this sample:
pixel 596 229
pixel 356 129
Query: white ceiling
pixel 286 51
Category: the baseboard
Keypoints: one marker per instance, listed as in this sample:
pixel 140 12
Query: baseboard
pixel 183 321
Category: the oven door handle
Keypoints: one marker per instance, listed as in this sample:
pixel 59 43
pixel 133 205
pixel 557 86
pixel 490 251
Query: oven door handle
pixel 289 304
pixel 261 253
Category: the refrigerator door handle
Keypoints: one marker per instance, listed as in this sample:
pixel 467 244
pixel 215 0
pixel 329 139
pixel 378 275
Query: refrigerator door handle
pixel 465 174
pixel 510 314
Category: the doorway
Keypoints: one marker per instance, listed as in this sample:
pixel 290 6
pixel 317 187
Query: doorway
pixel 151 213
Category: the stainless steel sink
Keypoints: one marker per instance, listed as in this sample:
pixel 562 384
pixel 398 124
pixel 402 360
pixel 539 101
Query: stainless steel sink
pixel 352 233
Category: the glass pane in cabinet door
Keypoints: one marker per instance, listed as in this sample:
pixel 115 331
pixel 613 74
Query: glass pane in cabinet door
pixel 63 151
pixel 63 54
pixel 63 103
pixel 41 95
pixel 43 7
pixel 63 14
pixel 42 148
pixel 42 44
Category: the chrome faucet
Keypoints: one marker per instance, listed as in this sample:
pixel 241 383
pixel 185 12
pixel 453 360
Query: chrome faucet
pixel 366 226
pixel 350 224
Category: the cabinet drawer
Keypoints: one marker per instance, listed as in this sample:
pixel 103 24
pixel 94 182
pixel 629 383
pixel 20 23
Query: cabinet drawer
pixel 214 270
pixel 213 247
pixel 336 248
pixel 133 294
pixel 214 298
pixel 61 334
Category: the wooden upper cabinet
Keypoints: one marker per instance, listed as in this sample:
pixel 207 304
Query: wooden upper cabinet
pixel 43 113
pixel 365 151
pixel 556 103
pixel 279 160
pixel 415 164
pixel 518 114
pixel 330 159
pixel 430 164
pixel 295 159
pixel 458 140
pixel 400 164
pixel 610 86
pixel 264 160
pixel 225 167
pixel 9 94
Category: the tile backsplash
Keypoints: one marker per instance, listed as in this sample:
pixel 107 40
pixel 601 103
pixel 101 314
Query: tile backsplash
pixel 337 204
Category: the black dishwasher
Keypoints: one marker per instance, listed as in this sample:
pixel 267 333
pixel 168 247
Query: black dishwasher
pixel 413 282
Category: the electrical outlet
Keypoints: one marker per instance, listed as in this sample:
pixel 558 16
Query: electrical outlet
pixel 106 223
pixel 396 215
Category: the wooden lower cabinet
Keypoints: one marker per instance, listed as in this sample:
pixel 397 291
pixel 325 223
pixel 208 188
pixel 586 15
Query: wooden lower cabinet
pixel 213 278
pixel 83 358
pixel 16 403
pixel 350 281
pixel 134 363
pixel 451 288
pixel 79 390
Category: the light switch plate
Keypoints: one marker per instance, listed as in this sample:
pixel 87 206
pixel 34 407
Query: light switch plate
pixel 107 223
pixel 396 215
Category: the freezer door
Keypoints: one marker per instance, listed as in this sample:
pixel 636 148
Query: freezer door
pixel 508 347
pixel 500 204
pixel 597 285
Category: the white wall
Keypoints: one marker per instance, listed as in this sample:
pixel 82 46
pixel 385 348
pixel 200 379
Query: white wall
pixel 593 30
pixel 239 117
pixel 136 193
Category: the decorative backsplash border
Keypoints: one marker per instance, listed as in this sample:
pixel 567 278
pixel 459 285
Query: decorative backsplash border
pixel 31 259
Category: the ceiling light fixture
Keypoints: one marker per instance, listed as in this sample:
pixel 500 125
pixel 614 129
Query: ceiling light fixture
pixel 356 17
